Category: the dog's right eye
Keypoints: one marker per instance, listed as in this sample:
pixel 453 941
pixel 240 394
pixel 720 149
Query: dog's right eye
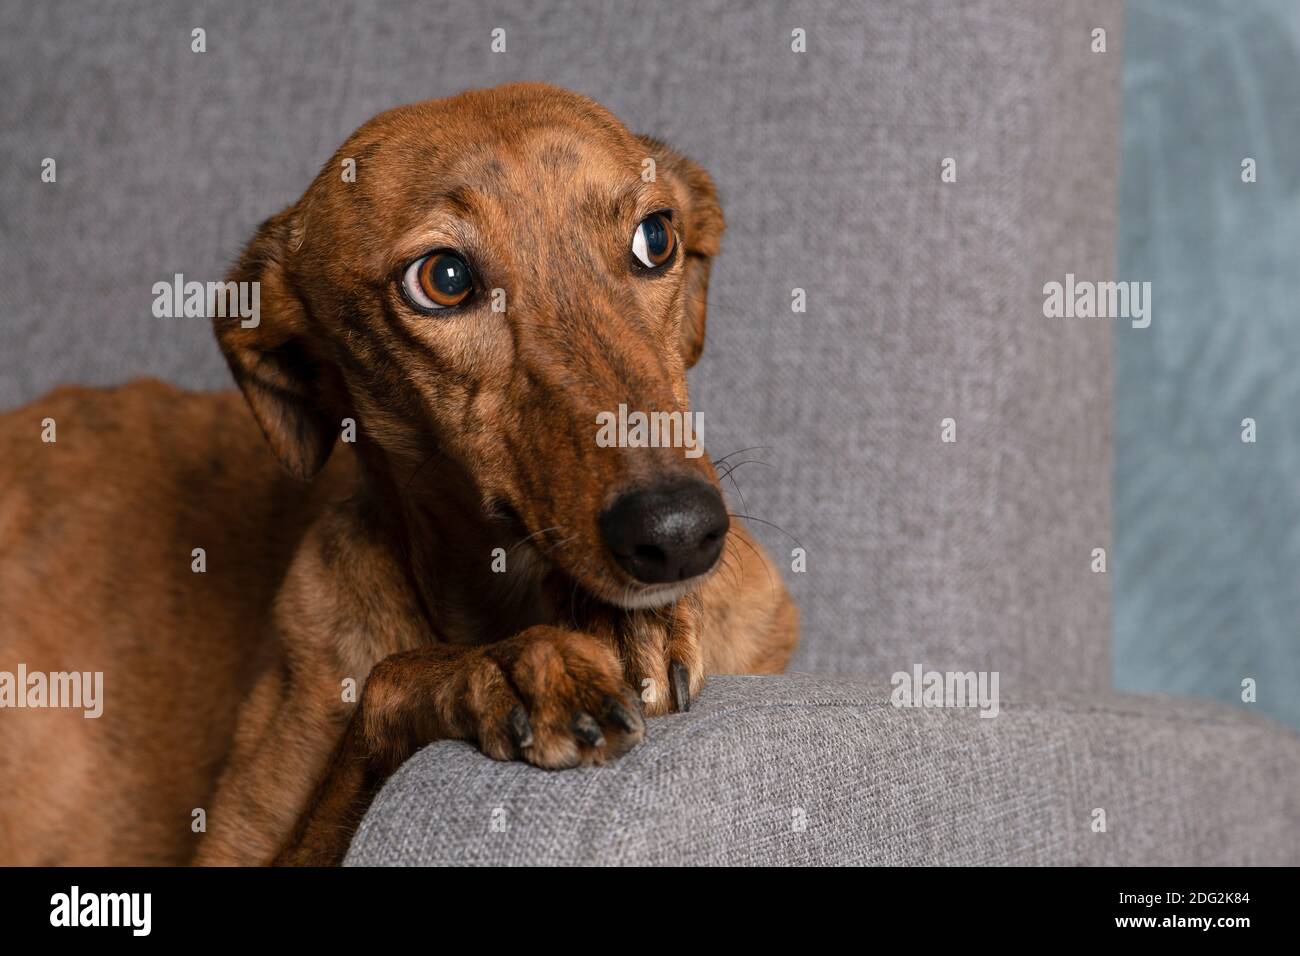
pixel 437 281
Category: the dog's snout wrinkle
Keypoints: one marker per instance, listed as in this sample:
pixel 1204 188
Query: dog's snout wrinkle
pixel 579 365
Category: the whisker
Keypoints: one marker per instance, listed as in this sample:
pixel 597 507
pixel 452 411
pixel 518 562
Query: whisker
pixel 747 461
pixel 559 544
pixel 729 473
pixel 770 524
pixel 739 451
pixel 737 576
pixel 764 563
pixel 739 494
pixel 558 527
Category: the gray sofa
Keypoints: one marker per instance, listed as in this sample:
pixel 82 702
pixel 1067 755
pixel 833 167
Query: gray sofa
pixel 924 303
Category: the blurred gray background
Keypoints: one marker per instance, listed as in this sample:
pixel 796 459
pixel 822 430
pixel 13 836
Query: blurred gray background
pixel 1206 578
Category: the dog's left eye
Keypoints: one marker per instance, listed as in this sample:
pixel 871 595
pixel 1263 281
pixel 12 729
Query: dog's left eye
pixel 437 281
pixel 654 240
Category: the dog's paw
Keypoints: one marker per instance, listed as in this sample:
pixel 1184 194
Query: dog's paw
pixel 552 697
pixel 661 655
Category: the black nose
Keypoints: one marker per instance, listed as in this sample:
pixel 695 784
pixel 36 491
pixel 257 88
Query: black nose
pixel 669 532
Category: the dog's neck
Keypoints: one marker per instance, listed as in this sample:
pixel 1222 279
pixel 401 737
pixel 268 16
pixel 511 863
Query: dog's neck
pixel 475 578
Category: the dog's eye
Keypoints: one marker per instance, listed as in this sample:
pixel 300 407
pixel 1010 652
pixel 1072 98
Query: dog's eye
pixel 439 280
pixel 654 241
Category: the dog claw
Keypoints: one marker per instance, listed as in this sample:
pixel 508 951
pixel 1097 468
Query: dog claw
pixel 520 729
pixel 681 684
pixel 627 719
pixel 588 731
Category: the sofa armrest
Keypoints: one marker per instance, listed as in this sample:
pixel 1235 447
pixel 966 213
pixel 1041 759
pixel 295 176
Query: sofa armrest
pixel 799 769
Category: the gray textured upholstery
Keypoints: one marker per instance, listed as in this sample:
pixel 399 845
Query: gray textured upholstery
pixel 732 781
pixel 924 298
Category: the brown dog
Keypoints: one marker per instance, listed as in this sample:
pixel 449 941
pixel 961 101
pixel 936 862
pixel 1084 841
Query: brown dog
pixel 504 267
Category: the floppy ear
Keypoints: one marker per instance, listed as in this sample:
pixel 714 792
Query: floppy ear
pixel 271 362
pixel 701 230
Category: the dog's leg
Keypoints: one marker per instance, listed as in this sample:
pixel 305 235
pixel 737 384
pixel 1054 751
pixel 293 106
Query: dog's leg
pixel 306 764
pixel 553 697
pixel 341 609
pixel 284 737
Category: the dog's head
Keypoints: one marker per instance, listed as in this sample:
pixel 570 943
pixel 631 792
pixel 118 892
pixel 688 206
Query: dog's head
pixel 507 278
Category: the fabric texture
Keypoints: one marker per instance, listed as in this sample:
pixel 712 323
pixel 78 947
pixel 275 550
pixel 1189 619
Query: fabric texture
pixel 923 297
pixel 813 770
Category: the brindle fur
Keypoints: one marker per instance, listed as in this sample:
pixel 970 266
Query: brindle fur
pixel 224 690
